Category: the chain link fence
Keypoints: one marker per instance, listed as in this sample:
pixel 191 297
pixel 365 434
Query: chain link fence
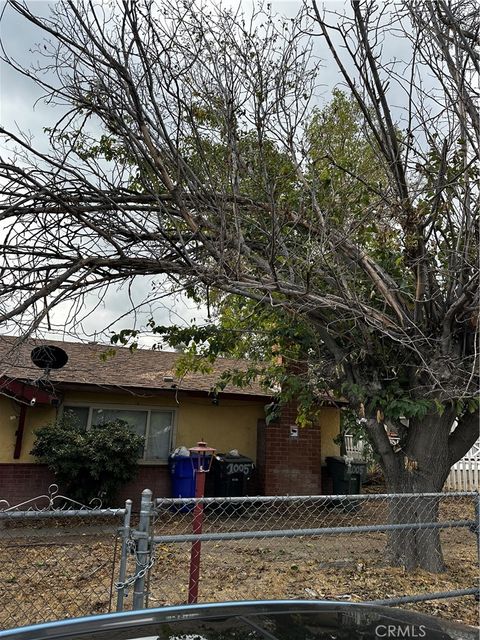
pixel 318 547
pixel 58 559
pixel 61 559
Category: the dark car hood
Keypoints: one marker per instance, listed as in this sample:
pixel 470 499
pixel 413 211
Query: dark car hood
pixel 264 620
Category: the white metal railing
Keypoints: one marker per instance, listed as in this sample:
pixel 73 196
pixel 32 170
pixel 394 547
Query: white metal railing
pixel 354 451
pixel 358 451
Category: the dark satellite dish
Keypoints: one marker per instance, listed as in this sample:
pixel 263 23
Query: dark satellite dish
pixel 49 357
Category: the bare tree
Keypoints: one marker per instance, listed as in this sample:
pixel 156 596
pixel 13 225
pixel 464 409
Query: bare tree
pixel 206 170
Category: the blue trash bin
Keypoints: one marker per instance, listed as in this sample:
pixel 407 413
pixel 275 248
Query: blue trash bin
pixel 182 477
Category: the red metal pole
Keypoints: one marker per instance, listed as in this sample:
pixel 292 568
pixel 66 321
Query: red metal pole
pixel 196 544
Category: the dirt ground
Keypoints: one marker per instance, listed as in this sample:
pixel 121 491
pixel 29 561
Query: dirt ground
pixel 312 569
pixel 50 573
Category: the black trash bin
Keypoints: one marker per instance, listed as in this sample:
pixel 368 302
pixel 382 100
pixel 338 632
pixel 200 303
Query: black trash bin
pixel 346 476
pixel 359 467
pixel 229 475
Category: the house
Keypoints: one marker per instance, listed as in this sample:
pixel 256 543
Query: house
pixel 141 388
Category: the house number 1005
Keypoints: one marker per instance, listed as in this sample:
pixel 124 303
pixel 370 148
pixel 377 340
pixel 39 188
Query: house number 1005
pixel 235 467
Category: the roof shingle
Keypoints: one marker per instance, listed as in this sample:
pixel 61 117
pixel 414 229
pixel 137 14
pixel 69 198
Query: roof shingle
pixel 142 369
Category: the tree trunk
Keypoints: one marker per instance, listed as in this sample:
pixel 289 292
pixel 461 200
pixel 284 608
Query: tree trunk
pixel 414 548
pixel 421 465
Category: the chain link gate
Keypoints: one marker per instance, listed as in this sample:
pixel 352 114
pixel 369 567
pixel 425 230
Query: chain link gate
pixel 155 554
pixel 57 559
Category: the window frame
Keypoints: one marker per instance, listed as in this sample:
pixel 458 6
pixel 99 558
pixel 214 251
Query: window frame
pixel 92 406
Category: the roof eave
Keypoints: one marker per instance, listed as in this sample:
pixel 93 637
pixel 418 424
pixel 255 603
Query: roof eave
pixel 158 391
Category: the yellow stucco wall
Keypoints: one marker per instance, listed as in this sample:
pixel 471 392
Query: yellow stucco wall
pixel 230 425
pixel 35 417
pixel 8 425
pixel 329 419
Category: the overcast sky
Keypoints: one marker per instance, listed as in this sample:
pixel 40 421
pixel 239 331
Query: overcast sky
pixel 22 107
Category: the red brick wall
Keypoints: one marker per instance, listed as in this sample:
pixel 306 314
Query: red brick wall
pixel 155 477
pixel 288 465
pixel 22 481
pixel 261 466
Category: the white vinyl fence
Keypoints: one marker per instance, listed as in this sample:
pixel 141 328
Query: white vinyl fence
pixel 465 474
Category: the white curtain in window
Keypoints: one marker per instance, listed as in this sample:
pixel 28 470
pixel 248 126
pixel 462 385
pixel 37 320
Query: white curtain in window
pixel 137 420
pixel 157 433
pixel 158 441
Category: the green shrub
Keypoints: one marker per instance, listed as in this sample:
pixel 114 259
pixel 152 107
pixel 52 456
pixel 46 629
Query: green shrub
pixel 89 463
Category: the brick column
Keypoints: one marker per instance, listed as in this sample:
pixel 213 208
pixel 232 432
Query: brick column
pixel 286 464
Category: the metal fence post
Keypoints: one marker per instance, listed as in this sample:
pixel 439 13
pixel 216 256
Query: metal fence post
pixel 123 558
pixel 143 550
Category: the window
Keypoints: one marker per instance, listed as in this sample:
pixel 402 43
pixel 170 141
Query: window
pixel 155 425
pixel 79 415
